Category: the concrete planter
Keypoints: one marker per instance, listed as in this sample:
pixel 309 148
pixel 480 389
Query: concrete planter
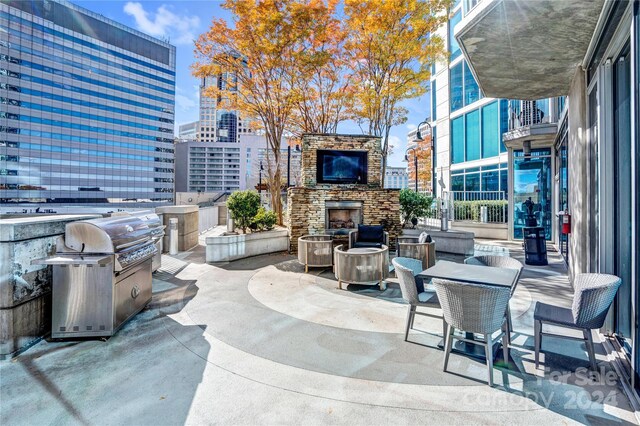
pixel 456 242
pixel 232 247
pixel 495 231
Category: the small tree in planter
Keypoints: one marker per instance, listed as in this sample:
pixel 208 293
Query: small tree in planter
pixel 413 205
pixel 244 206
pixel 264 220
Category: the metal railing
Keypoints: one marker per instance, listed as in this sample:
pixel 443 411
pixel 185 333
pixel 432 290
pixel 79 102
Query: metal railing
pixel 476 195
pixel 207 218
pixel 528 113
pixel 474 206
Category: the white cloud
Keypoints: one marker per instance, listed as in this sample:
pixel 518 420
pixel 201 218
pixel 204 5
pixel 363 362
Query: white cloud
pixel 180 29
pixel 411 127
pixel 185 102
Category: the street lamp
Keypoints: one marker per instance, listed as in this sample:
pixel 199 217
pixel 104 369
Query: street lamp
pixel 433 163
pixel 415 163
pixel 260 179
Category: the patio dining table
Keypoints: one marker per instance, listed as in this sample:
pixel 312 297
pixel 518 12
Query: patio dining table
pixel 472 274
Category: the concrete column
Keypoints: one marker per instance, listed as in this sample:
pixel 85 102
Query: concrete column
pixel 578 148
pixel 188 218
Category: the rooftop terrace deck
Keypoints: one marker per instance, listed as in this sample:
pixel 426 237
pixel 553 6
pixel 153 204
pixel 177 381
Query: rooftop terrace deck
pixel 259 341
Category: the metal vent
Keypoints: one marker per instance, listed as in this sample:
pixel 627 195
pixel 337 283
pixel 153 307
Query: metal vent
pixel 102 328
pixel 63 328
pixel 89 327
pixel 76 328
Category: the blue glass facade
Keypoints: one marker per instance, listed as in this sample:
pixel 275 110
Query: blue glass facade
pixel 86 110
pixel 463 89
pixel 478 133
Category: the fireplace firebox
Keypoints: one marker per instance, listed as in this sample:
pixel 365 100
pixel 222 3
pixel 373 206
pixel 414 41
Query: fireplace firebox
pixel 342 215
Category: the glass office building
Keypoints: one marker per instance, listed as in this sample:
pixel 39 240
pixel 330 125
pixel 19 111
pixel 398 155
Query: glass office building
pixel 468 127
pixel 87 109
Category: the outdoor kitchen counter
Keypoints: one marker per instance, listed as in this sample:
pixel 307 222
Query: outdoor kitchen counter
pixel 25 289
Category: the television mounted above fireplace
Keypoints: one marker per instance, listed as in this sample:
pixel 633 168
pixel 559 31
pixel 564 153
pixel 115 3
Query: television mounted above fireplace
pixel 336 167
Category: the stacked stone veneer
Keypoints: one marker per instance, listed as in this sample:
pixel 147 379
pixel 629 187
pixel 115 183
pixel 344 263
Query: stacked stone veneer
pixel 306 204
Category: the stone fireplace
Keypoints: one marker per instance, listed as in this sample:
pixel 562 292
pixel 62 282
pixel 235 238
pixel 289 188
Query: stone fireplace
pixel 334 199
pixel 342 215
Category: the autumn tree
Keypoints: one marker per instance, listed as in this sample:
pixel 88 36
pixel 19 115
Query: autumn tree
pixel 390 47
pixel 264 58
pixel 423 150
pixel 323 89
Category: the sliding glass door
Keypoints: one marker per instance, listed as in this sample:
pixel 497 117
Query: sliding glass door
pixel 622 196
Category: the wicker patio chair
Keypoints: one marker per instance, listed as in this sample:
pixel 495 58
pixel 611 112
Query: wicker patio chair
pixel 315 251
pixel 474 308
pixel 500 262
pixel 406 269
pixel 409 246
pixel 593 296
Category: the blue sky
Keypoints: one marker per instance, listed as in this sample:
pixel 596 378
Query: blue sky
pixel 181 22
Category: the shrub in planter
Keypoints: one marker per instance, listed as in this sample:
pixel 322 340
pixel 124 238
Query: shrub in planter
pixel 244 206
pixel 264 220
pixel 470 210
pixel 413 205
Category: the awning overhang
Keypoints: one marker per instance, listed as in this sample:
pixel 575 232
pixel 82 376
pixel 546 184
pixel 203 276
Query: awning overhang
pixel 523 49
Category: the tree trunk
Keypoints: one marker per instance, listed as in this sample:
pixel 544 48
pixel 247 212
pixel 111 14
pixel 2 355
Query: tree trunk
pixel 275 185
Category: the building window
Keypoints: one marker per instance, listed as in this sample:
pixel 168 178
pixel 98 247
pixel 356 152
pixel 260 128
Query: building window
pixel 457 140
pixel 471 89
pixel 457 183
pixel 504 122
pixel 472 136
pixel 454 48
pixel 463 87
pixel 490 131
pixel 456 87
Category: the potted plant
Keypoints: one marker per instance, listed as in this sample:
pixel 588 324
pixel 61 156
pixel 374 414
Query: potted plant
pixel 412 206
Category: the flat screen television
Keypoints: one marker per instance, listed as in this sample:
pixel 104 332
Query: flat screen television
pixel 337 167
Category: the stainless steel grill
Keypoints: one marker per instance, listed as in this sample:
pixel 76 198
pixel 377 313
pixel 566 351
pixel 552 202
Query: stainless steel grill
pixel 101 274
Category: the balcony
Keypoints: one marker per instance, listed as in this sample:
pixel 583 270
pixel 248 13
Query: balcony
pixel 527 49
pixel 533 121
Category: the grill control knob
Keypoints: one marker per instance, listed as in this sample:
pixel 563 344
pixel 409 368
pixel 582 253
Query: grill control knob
pixel 135 291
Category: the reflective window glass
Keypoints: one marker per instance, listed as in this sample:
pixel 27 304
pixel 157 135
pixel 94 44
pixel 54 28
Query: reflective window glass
pixel 457 140
pixel 456 87
pixel 454 47
pixel 472 136
pixel 490 131
pixel 471 89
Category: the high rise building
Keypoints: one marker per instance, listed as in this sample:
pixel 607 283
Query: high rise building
pixel 210 166
pixel 467 126
pixel 188 131
pixel 396 177
pixel 87 108
pixel 217 124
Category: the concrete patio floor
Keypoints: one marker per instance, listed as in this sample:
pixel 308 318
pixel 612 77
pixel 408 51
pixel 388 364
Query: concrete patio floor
pixel 258 341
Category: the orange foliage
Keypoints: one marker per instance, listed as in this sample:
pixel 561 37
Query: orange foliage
pixel 423 150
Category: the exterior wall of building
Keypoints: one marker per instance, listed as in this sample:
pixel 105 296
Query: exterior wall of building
pixel 578 254
pixel 189 131
pixel 210 166
pixel 467 127
pixel 87 110
pixel 217 124
pixel 258 154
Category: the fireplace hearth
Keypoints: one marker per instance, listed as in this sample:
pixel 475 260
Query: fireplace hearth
pixel 342 215
pixel 341 188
